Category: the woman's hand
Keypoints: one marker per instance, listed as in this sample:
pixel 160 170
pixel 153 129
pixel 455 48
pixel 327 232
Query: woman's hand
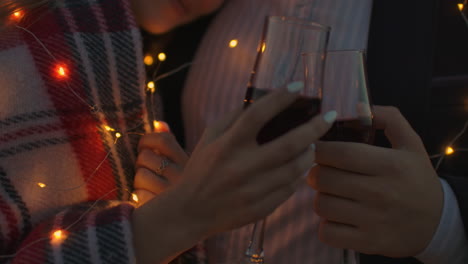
pixel 160 163
pixel 229 181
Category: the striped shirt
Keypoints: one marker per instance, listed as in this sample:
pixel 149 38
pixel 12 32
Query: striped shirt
pixel 216 84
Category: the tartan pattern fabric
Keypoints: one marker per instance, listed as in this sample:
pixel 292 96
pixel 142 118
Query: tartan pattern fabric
pixel 60 130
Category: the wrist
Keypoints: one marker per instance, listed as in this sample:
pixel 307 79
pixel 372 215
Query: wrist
pixel 162 229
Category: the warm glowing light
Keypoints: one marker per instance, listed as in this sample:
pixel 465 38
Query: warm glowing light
pixel 461 6
pixel 162 56
pixel 156 125
pixel 57 237
pixel 17 15
pixel 449 151
pixel 148 60
pixel 108 128
pixel 233 43
pixel 42 185
pixel 263 47
pixel 151 86
pixel 61 71
pixel 58 234
pixel 118 135
pixel 135 198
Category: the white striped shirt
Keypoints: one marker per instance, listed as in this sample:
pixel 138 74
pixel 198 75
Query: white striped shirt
pixel 216 85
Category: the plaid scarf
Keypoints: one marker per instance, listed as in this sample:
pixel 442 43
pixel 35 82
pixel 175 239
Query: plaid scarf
pixel 72 108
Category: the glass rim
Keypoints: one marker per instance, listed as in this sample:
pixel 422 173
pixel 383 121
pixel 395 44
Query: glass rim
pixel 296 20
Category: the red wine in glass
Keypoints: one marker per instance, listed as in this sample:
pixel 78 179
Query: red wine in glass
pixel 301 111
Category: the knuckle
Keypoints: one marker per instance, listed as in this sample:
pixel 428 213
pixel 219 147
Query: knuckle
pixel 394 111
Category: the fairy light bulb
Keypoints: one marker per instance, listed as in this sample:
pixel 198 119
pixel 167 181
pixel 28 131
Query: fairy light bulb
pixel 42 185
pixel 156 125
pixel 57 234
pixel 233 43
pixel 263 47
pixel 148 60
pixel 108 128
pixel 162 56
pixel 61 71
pixel 449 151
pixel 461 7
pixel 118 135
pixel 57 237
pixel 151 86
pixel 135 197
pixel 17 15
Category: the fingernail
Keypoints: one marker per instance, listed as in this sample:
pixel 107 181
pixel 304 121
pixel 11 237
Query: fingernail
pixel 330 117
pixel 295 87
pixel 313 147
pixel 308 172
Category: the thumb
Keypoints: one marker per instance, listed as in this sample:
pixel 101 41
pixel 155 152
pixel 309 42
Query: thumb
pixel 397 129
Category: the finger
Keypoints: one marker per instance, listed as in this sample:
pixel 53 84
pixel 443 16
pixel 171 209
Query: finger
pixel 218 128
pixel 161 127
pixel 143 196
pixel 151 161
pixel 397 129
pixel 355 157
pixel 171 173
pixel 339 210
pixel 290 174
pixel 294 142
pixel 147 180
pixel 258 114
pixel 166 145
pixel 266 203
pixel 339 235
pixel 339 182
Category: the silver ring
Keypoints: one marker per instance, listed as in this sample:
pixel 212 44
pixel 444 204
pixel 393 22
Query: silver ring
pixel 163 166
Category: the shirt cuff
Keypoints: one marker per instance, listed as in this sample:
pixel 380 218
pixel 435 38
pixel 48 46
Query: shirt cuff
pixel 449 244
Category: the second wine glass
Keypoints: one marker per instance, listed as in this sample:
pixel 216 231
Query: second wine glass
pixel 291 55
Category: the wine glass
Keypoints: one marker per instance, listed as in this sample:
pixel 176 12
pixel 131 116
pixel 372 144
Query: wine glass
pixel 346 91
pixel 291 55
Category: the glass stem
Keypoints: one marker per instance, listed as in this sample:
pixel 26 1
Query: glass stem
pixel 254 253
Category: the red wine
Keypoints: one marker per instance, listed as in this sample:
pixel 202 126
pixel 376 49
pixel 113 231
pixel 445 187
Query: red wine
pixel 301 111
pixel 353 130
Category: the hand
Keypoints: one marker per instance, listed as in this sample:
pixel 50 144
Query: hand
pixel 377 200
pixel 151 178
pixel 229 181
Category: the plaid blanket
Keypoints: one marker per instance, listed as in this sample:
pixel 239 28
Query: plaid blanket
pixel 71 107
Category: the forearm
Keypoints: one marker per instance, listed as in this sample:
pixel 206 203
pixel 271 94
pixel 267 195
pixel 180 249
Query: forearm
pixel 162 231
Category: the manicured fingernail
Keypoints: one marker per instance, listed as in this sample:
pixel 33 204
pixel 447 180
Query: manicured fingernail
pixel 308 172
pixel 295 87
pixel 160 127
pixel 313 147
pixel 330 117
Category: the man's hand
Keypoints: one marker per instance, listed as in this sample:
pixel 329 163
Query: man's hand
pixel 377 200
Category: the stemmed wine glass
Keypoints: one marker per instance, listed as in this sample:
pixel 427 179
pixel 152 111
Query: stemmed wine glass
pixel 346 91
pixel 291 55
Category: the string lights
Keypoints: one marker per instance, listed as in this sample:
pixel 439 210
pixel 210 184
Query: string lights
pixel 451 148
pixel 233 43
pixel 62 72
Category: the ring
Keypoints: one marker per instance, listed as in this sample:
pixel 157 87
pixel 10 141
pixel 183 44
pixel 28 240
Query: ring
pixel 163 166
